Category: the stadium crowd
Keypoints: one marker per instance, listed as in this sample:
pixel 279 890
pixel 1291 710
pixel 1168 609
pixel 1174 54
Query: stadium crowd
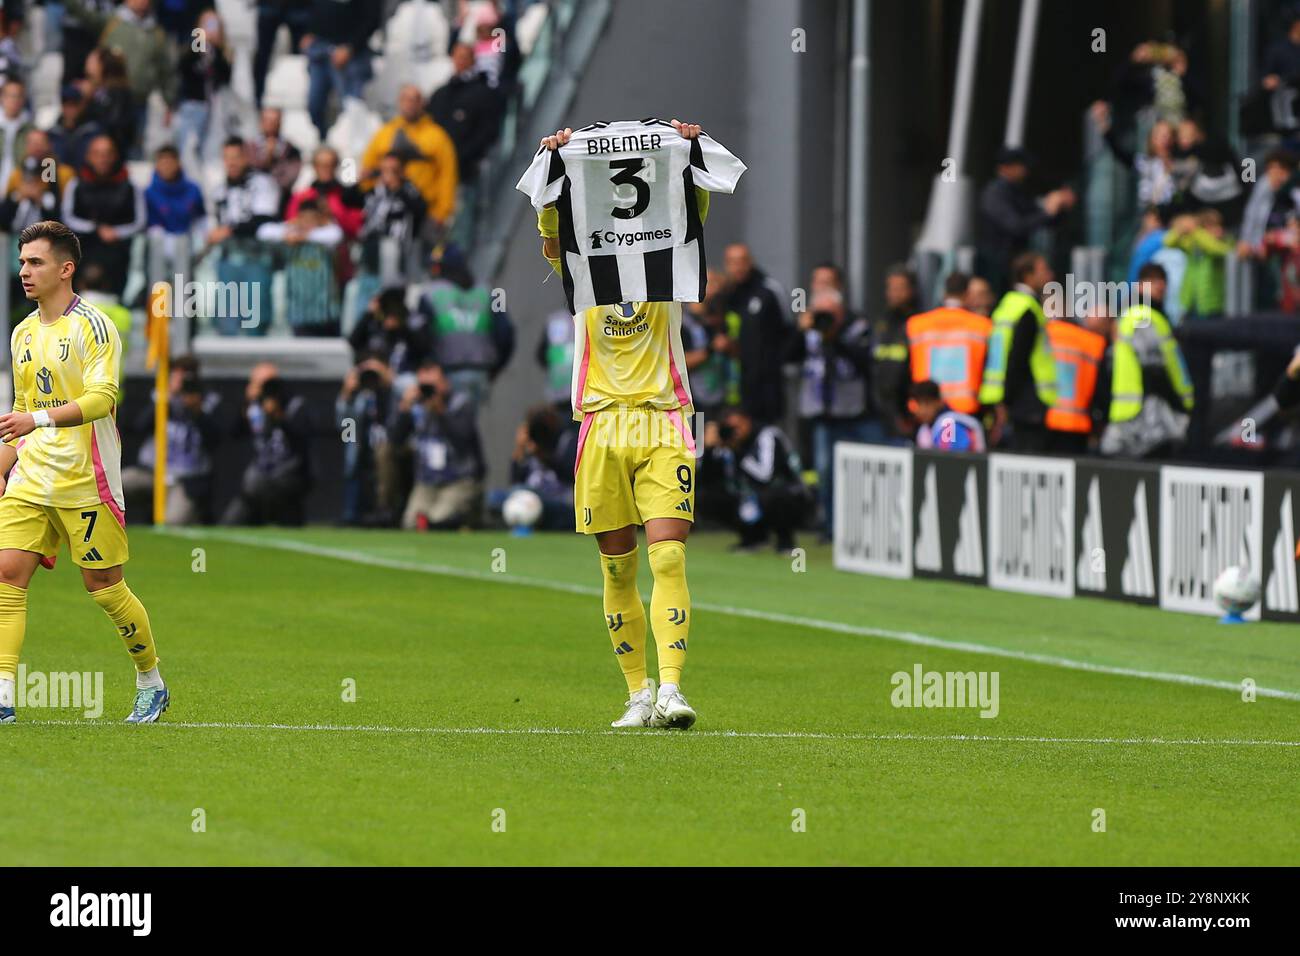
pixel 997 362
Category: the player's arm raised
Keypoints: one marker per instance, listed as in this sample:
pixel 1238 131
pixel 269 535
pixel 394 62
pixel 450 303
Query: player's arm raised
pixel 548 220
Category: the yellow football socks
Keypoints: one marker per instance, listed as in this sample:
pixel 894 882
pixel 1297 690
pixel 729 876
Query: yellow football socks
pixel 132 621
pixel 670 608
pixel 625 616
pixel 13 624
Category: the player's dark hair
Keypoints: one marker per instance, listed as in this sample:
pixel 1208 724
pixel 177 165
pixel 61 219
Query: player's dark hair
pixel 1024 264
pixel 63 241
pixel 955 285
pixel 835 270
pixel 393 302
pixel 167 149
pixel 93 277
pixel 272 388
pixel 544 428
pixel 112 67
pixel 233 141
pixel 902 270
pixel 1161 215
pixel 1152 270
pixel 1281 157
pixel 925 390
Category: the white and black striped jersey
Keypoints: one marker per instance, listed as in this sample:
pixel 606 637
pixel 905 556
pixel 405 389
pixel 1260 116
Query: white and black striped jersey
pixel 630 229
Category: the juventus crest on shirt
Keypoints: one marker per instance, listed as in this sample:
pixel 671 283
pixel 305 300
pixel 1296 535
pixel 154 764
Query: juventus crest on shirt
pixel 630 228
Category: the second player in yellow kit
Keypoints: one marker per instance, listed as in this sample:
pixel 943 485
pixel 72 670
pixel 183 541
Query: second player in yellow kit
pixel 635 468
pixel 61 461
pixel 67 483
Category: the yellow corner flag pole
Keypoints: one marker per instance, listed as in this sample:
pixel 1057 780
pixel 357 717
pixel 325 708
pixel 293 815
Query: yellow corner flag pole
pixel 156 329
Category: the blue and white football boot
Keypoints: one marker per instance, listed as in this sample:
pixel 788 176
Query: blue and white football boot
pixel 150 702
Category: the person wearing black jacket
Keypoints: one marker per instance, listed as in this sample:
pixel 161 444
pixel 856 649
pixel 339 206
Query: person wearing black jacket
pixel 384 332
pixel 81 35
pixel 275 483
pixel 759 304
pixel 833 348
pixel 204 73
pixel 193 436
pixel 890 374
pixel 441 430
pixel 70 136
pixel 469 110
pixel 761 493
pixel 1020 402
pixel 105 209
pixel 109 101
pixel 1009 215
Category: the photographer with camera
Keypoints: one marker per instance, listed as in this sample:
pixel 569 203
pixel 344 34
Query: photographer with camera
pixel 442 430
pixel 761 492
pixel 361 410
pixel 192 438
pixel 833 347
pixel 275 484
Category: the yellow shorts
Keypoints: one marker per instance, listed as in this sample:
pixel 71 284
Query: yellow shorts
pixel 634 464
pixel 95 536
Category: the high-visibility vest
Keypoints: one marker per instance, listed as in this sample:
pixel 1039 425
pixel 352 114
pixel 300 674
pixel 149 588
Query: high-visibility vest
pixel 1041 364
pixel 948 347
pixel 1078 355
pixel 1126 377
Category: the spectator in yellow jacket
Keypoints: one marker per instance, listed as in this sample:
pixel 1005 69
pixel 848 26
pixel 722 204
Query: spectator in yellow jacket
pixel 428 151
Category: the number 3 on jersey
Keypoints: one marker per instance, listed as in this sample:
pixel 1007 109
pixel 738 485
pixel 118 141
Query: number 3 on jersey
pixel 628 175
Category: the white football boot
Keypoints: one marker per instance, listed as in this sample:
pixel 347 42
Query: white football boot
pixel 640 708
pixel 671 710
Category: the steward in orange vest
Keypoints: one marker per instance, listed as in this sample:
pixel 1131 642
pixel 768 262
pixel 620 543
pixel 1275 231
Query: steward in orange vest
pixel 948 346
pixel 1078 354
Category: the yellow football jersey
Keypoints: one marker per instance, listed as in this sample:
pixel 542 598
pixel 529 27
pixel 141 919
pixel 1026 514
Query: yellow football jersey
pixel 630 354
pixel 55 364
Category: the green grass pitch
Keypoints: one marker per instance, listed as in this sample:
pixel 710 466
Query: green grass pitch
pixel 484 697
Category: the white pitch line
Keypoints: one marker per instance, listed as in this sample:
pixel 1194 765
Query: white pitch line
pixel 775 617
pixel 664 735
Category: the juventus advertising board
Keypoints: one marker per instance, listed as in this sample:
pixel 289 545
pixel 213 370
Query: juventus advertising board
pixel 1031 524
pixel 1210 519
pixel 950 515
pixel 873 509
pixel 1281 552
pixel 1090 527
pixel 1114 529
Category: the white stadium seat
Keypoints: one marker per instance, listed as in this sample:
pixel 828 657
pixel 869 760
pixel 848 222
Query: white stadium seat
pixel 44 80
pixel 239 17
pixel 287 83
pixel 355 127
pixel 415 51
pixel 297 127
pixel 528 26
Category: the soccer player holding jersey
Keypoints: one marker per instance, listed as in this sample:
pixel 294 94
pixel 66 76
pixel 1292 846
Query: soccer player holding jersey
pixel 636 455
pixel 61 460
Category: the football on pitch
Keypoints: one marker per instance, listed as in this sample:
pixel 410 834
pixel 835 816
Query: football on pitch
pixel 1236 590
pixel 522 508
